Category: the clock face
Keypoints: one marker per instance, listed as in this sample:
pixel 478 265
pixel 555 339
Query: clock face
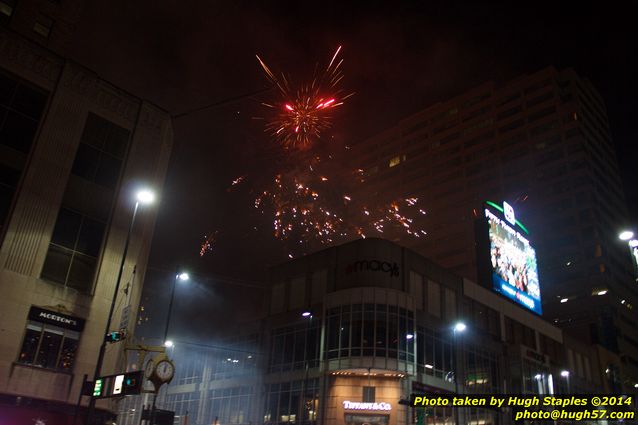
pixel 148 369
pixel 165 370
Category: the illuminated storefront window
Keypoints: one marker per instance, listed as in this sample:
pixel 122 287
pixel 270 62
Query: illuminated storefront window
pixel 379 330
pixel 292 402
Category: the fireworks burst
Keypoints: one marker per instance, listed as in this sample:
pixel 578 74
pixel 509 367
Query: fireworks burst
pixel 304 111
pixel 313 199
pixel 235 182
pixel 207 245
pixel 309 208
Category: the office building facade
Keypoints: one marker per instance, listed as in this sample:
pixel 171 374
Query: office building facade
pixel 73 151
pixel 542 143
pixel 381 325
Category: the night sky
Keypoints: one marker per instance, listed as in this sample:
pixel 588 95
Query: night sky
pixel 399 58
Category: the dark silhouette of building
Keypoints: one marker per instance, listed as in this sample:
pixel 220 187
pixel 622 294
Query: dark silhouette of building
pixel 542 143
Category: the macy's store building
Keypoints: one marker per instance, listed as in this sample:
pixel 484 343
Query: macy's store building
pixel 380 328
pixel 354 329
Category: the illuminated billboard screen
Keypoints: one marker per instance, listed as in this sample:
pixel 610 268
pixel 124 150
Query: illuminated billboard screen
pixel 513 264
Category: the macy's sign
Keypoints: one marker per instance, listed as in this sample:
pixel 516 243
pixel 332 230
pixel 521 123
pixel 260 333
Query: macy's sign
pixel 373 266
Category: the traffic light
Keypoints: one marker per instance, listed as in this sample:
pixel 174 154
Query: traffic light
pixel 116 336
pixel 98 387
pixel 133 382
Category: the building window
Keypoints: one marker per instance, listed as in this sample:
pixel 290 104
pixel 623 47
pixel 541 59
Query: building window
pixel 51 340
pixel 74 248
pixel 20 110
pixel 101 152
pixel 21 107
pixel 295 402
pixel 295 347
pixel 370 330
pixel 9 178
pixel 43 25
pixel 81 224
pixel 394 161
pixel 184 404
pixel 368 394
pixel 6 10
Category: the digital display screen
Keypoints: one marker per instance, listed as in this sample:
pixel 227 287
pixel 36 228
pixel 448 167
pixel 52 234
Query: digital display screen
pixel 513 264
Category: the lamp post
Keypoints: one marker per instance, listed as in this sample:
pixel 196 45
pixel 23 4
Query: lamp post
pixel 143 197
pixel 629 237
pixel 459 328
pixel 307 314
pixel 565 374
pixel 178 276
pixel 167 342
pixel 540 383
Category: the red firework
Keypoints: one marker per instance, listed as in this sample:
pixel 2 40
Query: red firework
pixel 304 111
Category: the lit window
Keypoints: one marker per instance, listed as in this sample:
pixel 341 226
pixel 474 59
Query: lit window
pixel 6 9
pixel 51 340
pixel 43 25
pixel 395 161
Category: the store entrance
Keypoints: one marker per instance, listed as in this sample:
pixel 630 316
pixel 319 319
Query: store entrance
pixel 361 419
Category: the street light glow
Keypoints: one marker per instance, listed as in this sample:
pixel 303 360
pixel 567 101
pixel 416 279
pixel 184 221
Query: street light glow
pixel 183 276
pixel 145 196
pixel 409 336
pixel 168 344
pixel 626 235
pixel 538 377
pixel 460 327
pixel 306 314
pixel 564 374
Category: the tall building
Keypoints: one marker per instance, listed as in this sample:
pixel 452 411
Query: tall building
pixel 542 143
pixel 353 329
pixel 73 151
pixel 48 23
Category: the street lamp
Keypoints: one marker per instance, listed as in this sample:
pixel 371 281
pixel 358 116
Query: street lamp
pixel 144 197
pixel 625 235
pixel 183 276
pixel 540 382
pixel 458 328
pixel 628 236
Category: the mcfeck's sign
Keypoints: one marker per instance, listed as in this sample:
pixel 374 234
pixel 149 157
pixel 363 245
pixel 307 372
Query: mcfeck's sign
pixel 42 315
pixel 373 266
